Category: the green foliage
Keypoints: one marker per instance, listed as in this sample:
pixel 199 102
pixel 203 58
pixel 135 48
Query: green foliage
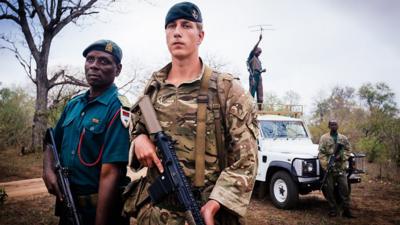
pixel 379 97
pixel 16 112
pixel 373 147
pixel 374 129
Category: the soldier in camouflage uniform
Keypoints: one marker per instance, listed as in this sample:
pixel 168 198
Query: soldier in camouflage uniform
pixel 226 189
pixel 337 177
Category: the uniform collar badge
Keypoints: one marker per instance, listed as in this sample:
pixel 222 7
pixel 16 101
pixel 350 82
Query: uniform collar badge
pixel 94 120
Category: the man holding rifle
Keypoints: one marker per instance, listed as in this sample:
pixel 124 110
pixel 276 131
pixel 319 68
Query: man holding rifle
pixel 211 118
pixel 92 142
pixel 336 147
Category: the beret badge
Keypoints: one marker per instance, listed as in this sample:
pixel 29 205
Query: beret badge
pixel 195 14
pixel 109 47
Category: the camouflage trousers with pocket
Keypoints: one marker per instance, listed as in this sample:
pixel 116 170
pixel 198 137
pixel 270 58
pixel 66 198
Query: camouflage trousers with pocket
pixel 153 215
pixel 337 191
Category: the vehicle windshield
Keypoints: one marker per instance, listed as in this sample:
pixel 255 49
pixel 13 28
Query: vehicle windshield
pixel 283 129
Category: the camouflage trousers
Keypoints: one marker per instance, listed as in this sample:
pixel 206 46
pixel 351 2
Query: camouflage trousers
pixel 153 215
pixel 337 191
pixel 255 84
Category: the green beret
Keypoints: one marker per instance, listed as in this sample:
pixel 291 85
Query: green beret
pixel 105 46
pixel 183 10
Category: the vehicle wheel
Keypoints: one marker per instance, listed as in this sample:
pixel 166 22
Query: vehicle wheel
pixel 283 190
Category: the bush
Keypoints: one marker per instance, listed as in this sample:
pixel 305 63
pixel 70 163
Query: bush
pixel 16 112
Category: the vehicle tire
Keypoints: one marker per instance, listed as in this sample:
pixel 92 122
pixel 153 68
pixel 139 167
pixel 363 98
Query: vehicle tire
pixel 283 190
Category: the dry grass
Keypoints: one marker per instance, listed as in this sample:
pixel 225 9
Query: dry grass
pixel 15 167
pixel 35 210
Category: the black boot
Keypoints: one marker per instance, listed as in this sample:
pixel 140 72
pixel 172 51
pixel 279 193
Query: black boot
pixel 347 213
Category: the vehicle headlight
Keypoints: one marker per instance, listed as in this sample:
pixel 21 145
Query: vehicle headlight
pixel 308 167
pixel 305 167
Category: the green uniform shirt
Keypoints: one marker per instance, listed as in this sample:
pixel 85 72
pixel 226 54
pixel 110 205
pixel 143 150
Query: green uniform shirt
pixel 96 117
pixel 327 148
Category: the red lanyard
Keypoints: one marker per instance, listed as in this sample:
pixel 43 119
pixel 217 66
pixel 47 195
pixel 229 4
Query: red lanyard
pixel 102 146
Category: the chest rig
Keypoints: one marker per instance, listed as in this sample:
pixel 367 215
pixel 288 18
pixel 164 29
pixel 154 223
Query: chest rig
pixel 208 96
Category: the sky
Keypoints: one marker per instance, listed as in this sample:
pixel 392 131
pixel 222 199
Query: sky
pixel 315 44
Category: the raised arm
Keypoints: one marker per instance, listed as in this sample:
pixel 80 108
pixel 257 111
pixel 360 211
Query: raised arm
pixel 258 42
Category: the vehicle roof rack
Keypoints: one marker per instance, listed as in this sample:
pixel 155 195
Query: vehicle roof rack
pixel 295 111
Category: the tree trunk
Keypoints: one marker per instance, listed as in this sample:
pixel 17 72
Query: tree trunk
pixel 41 113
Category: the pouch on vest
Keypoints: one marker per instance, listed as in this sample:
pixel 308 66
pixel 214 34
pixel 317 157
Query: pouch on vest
pixel 134 196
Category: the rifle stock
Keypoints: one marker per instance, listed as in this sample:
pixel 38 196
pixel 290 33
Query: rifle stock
pixel 172 179
pixel 62 179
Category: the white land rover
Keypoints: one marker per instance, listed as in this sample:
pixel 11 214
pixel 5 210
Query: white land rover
pixel 288 161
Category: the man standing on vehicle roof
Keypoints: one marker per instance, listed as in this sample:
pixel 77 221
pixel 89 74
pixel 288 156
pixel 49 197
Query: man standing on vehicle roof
pixel 93 142
pixel 337 177
pixel 223 176
pixel 255 70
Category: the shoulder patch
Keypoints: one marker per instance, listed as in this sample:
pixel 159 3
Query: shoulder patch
pixel 125 116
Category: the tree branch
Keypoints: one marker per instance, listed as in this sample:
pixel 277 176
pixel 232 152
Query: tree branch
pixel 71 80
pixel 27 66
pixel 10 17
pixel 53 80
pixel 26 31
pixel 74 14
pixel 9 5
pixel 40 11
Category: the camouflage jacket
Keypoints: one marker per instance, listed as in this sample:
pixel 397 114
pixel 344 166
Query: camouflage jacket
pixel 327 148
pixel 176 109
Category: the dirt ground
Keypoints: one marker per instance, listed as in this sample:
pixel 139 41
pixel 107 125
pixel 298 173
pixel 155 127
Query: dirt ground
pixel 373 202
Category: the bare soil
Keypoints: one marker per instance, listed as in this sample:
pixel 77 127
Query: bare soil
pixel 373 202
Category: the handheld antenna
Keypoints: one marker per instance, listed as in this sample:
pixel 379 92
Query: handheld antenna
pixel 260 28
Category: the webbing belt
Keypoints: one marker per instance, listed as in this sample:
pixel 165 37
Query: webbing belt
pixel 200 144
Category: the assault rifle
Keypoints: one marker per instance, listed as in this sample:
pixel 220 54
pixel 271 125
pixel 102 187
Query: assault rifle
pixel 331 163
pixel 172 180
pixel 62 179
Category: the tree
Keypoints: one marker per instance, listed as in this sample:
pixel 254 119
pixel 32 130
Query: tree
pixel 40 22
pixel 382 124
pixel 291 98
pixel 379 97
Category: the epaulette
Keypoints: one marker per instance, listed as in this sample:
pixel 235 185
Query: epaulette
pixel 124 101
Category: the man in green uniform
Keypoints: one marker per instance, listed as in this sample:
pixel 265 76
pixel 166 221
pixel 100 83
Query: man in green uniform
pixel 93 142
pixel 336 177
pixel 224 177
pixel 255 69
